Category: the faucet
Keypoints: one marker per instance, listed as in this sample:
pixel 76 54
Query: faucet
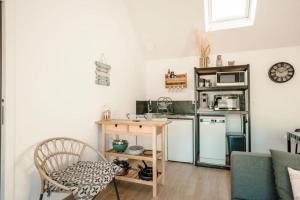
pixel 149 106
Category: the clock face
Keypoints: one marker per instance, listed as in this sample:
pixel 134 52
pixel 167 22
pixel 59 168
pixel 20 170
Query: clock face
pixel 281 72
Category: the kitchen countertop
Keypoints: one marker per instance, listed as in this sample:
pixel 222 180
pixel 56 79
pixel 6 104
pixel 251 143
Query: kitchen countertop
pixel 158 123
pixel 169 116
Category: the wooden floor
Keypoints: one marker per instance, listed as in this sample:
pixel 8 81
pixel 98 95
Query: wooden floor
pixel 183 182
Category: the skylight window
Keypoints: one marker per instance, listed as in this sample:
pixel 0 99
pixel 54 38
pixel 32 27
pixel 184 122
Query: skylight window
pixel 226 14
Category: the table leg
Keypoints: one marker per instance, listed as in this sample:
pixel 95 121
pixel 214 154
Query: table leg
pixel 154 163
pixel 288 143
pixel 102 142
pixel 163 162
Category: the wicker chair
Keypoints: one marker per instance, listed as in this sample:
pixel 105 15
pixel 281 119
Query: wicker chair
pixel 56 154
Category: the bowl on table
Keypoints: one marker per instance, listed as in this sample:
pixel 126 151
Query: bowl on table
pixel 135 150
pixel 120 145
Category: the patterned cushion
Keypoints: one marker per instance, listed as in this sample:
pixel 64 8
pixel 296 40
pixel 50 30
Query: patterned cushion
pixel 85 178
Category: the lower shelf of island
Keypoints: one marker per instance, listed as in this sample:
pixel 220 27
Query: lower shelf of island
pixel 133 176
pixel 145 156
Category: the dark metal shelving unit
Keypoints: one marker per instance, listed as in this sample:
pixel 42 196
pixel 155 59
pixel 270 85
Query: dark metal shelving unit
pixel 245 115
pixel 223 88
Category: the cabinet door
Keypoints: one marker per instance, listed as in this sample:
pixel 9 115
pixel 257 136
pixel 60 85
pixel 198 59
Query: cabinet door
pixel 180 141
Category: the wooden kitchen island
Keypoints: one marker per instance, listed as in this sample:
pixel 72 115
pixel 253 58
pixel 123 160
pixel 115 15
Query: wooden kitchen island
pixel 148 128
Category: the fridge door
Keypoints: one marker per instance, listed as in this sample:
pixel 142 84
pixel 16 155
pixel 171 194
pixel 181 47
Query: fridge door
pixel 180 141
pixel 212 140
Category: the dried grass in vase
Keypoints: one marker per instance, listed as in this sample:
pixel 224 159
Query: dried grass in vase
pixel 203 48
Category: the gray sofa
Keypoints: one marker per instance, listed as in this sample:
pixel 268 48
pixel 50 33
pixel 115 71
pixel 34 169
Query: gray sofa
pixel 252 176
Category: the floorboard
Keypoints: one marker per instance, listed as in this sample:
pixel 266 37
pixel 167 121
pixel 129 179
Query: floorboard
pixel 183 182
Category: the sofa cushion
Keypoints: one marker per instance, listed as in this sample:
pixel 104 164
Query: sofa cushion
pixel 295 181
pixel 252 176
pixel 281 161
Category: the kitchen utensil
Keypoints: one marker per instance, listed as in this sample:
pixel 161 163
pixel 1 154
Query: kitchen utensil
pixel 120 145
pixel 106 113
pixel 227 102
pixel 135 150
pixel 148 153
pixel 231 63
pixel 131 116
pixel 204 100
pixel 146 172
pixel 207 83
pixel 163 104
pixel 201 82
pixel 124 165
pixel 219 62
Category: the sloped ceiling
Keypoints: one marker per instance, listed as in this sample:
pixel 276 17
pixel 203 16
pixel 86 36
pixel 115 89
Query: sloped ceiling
pixel 166 28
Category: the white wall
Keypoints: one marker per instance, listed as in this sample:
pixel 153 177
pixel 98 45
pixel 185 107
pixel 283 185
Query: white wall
pixel 274 107
pixel 57 43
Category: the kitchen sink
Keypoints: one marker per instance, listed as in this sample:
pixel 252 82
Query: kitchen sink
pixel 157 116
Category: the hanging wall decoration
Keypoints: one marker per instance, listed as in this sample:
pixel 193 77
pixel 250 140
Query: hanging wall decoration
pixel 102 72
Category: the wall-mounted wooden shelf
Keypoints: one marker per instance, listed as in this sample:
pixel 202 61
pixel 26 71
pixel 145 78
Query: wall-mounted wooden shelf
pixel 180 81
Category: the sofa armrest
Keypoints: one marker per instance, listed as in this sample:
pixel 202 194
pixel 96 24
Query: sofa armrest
pixel 252 176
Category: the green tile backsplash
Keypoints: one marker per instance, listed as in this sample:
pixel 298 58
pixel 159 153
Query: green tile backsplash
pixel 178 107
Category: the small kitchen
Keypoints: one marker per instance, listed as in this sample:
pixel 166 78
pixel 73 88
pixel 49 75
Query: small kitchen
pixel 161 92
pixel 202 131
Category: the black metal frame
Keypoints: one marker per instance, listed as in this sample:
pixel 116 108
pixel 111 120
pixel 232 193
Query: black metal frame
pixel 115 186
pixel 245 115
pixel 116 189
pixel 289 141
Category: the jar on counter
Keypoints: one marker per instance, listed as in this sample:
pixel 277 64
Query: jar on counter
pixel 106 114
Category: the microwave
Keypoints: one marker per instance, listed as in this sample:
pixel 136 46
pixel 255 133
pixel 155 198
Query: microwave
pixel 231 78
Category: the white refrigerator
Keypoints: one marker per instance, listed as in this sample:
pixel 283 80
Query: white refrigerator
pixel 180 140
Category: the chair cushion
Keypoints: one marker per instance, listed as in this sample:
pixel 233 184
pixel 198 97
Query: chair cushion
pixel 281 161
pixel 85 178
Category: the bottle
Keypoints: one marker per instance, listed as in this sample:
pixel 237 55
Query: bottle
pixel 219 62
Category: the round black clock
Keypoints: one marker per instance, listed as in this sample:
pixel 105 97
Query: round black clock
pixel 281 72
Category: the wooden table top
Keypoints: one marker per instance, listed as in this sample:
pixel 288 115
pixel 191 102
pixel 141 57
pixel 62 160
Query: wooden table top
pixel 157 123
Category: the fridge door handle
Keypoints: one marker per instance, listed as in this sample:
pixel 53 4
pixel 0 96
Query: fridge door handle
pixel 2 111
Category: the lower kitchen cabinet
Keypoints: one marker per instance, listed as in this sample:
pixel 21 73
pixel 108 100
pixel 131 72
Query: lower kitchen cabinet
pixel 180 140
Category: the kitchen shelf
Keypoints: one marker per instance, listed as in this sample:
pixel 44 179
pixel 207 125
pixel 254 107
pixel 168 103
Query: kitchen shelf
pixel 221 112
pixel 147 157
pixel 214 70
pixel 244 114
pixel 223 88
pixel 180 81
pixel 133 176
pixel 150 128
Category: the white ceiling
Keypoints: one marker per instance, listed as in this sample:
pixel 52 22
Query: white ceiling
pixel 166 28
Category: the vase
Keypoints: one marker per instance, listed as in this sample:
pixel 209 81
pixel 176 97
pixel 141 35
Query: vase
pixel 203 62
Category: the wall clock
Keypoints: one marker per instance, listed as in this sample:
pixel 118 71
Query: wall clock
pixel 281 72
